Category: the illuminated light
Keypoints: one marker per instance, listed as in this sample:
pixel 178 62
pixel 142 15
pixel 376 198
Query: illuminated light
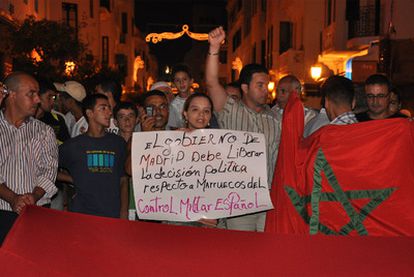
pixel 36 56
pixel 138 64
pixel 316 72
pixel 69 68
pixel 156 37
pixel 237 64
pixel 150 81
pixel 167 70
pixel 348 69
pixel 271 86
pixel 274 94
pixel 195 85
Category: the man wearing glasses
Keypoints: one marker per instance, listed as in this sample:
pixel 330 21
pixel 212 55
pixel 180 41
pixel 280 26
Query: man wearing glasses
pixel 377 91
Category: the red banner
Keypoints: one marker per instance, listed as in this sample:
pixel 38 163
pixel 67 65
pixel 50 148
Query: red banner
pixel 45 242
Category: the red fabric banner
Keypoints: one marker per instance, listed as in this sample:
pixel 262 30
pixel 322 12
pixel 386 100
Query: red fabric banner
pixel 350 180
pixel 45 242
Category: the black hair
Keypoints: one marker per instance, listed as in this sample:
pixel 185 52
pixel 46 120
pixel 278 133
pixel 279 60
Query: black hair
pixel 181 68
pixel 378 79
pixel 234 84
pixel 195 95
pixel 339 90
pixel 112 86
pixel 45 85
pixel 248 71
pixel 154 92
pixel 124 105
pixel 90 101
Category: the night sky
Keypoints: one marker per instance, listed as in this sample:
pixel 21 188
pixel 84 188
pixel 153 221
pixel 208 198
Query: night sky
pixel 167 16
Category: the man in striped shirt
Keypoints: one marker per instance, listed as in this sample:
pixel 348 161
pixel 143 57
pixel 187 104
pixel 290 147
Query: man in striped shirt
pixel 28 152
pixel 250 114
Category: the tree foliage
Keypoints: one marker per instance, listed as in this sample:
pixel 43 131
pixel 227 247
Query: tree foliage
pixel 56 43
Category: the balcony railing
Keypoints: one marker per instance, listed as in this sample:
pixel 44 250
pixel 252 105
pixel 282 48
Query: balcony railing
pixel 367 23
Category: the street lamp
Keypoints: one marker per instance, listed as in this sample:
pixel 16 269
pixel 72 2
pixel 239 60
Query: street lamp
pixel 316 72
pixel 69 68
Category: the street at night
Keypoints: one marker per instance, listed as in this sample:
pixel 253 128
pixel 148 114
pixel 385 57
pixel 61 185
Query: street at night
pixel 206 137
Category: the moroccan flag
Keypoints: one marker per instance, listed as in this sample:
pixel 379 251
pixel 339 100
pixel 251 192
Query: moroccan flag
pixel 344 179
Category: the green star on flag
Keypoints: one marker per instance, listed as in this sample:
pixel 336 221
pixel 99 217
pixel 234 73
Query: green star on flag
pixel 376 196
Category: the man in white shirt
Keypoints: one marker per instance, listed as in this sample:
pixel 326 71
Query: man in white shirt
pixel 71 94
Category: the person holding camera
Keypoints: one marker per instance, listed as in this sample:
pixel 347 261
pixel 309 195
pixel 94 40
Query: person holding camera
pixel 156 111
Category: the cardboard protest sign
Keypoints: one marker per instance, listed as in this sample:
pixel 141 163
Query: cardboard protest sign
pixel 212 174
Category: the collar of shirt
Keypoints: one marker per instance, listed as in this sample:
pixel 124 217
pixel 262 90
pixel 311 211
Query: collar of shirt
pixel 6 122
pixel 344 119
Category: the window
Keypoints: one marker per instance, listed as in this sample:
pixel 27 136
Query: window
pixel 269 61
pixel 11 8
pixel 36 6
pixel 285 36
pixel 233 75
pixel 264 6
pixel 263 52
pixel 122 64
pixel 70 15
pixel 236 40
pixel 239 5
pixel 91 8
pixel 26 1
pixel 254 7
pixel 124 23
pixel 330 12
pixel 254 53
pixel 105 51
pixel 105 4
pixel 122 38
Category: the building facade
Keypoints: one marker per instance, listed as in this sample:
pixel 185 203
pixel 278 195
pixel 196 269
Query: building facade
pixel 107 28
pixel 354 38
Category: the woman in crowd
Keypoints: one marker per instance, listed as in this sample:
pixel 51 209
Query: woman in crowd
pixel 197 113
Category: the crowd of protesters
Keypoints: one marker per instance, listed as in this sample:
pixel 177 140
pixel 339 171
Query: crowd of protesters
pixel 69 149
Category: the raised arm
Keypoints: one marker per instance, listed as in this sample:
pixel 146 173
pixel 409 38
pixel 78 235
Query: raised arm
pixel 214 88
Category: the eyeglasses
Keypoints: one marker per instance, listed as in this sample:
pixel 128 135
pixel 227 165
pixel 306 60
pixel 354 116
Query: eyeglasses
pixel 381 96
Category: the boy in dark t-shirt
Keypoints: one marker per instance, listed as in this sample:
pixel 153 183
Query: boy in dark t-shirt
pixel 95 161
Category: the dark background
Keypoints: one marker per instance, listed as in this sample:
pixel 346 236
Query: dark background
pixel 169 16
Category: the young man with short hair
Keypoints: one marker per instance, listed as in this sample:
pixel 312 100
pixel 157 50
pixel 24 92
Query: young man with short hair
pixel 71 94
pixel 45 113
pixel 95 161
pixel 126 117
pixel 183 81
pixel 250 114
pixel 377 92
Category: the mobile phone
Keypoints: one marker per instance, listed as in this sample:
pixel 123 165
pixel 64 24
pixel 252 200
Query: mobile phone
pixel 149 111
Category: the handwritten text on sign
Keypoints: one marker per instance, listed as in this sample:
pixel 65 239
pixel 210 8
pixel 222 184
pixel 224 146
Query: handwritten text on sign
pixel 185 176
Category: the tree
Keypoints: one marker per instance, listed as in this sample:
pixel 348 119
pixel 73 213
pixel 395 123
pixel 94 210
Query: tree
pixel 43 47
